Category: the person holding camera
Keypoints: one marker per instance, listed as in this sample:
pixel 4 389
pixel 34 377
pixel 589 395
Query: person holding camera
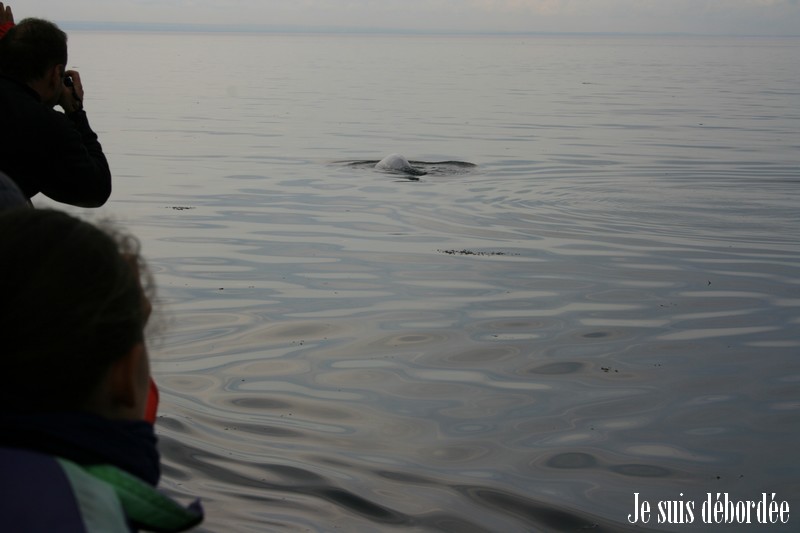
pixel 43 150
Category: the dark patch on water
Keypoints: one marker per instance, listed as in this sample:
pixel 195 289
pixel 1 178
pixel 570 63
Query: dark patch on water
pixel 268 431
pixel 361 506
pixel 403 477
pixel 596 335
pixel 260 403
pixel 557 368
pixel 572 460
pixel 639 470
pixel 472 252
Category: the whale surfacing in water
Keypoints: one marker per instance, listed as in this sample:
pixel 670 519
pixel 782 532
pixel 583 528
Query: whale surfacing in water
pixel 398 163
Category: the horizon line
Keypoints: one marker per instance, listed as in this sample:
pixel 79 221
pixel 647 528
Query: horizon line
pixel 179 27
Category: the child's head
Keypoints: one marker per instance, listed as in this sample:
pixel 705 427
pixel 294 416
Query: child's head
pixel 72 317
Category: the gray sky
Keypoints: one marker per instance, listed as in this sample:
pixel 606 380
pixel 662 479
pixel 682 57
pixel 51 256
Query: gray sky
pixel 767 17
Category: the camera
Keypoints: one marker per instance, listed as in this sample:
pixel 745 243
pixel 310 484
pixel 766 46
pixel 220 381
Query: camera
pixel 68 81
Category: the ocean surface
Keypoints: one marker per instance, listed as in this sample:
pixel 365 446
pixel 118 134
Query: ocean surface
pixel 605 308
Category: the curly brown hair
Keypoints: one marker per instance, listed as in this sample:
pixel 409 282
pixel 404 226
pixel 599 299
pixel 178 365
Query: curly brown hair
pixel 71 305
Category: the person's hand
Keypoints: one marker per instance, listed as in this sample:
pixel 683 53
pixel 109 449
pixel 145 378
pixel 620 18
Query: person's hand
pixel 72 96
pixel 5 14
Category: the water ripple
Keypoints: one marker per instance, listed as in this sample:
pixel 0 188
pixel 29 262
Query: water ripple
pixel 608 303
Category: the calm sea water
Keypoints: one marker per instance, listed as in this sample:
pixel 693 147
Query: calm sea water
pixel 607 304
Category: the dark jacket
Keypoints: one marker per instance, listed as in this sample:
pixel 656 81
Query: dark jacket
pixel 10 195
pixel 79 472
pixel 45 151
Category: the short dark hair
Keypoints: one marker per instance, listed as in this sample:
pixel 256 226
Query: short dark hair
pixel 32 47
pixel 71 306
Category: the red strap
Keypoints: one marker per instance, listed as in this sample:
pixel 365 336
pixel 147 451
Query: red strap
pixel 4 27
pixel 152 403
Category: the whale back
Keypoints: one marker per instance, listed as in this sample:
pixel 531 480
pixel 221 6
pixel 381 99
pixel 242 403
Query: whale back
pixel 398 163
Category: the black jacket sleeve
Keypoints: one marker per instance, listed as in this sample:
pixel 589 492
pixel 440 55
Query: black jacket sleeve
pixel 82 176
pixel 44 150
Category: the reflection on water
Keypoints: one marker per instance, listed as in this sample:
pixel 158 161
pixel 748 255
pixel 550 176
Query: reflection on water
pixel 608 303
pixel 333 368
pixel 431 168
